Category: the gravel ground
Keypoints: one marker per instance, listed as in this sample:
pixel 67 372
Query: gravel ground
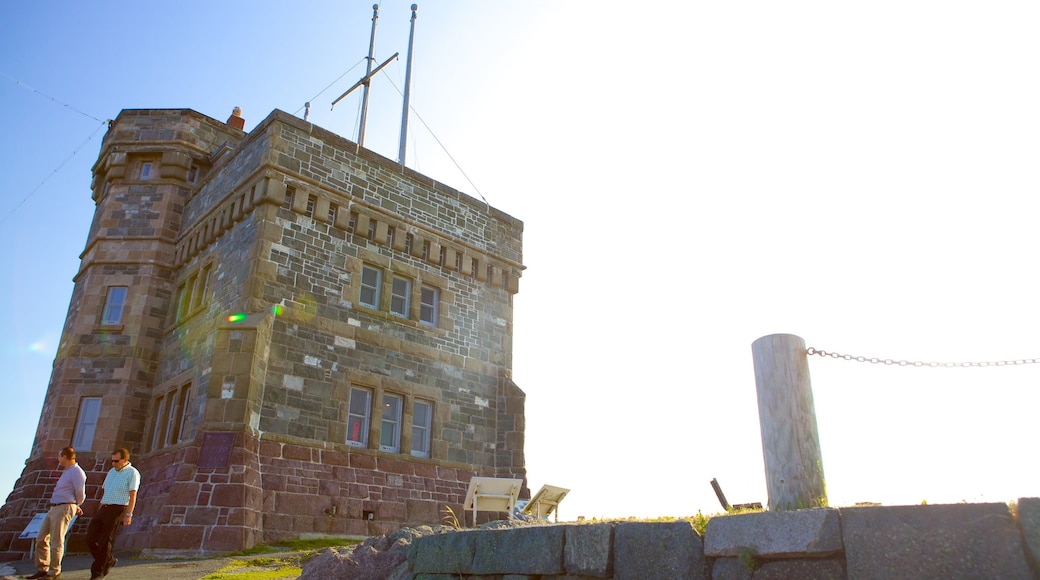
pixel 77 567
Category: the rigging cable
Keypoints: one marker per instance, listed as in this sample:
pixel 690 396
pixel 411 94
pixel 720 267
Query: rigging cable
pixel 53 173
pixel 443 148
pixel 46 96
pixel 315 97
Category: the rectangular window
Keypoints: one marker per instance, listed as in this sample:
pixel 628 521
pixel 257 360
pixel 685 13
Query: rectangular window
pixel 458 261
pixel 390 429
pixel 444 257
pixel 371 281
pixel 400 296
pixel 474 267
pixel 290 192
pixel 428 299
pixel 184 308
pixel 311 203
pixel 86 423
pixel 422 421
pixel 352 223
pixel 171 418
pixel 426 250
pixel 179 308
pixel 390 233
pixel 185 391
pixel 333 209
pixel 371 230
pixel 114 303
pixel 198 297
pixel 146 170
pixel 409 243
pixel 193 174
pixel 160 413
pixel 357 417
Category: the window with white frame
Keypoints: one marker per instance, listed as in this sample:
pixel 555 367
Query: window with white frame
pixel 86 423
pixel 390 429
pixel 400 296
pixel 371 281
pixel 112 313
pixel 422 421
pixel 428 299
pixel 312 202
pixel 358 409
pixel 146 170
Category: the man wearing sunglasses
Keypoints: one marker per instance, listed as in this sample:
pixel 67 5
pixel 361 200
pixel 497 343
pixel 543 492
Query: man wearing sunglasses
pixel 117 509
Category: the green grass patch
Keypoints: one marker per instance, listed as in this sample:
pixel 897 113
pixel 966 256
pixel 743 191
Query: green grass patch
pixel 231 573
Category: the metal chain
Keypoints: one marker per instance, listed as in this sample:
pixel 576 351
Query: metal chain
pixel 906 363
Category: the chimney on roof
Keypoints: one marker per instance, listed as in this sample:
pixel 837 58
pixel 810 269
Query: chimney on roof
pixel 236 120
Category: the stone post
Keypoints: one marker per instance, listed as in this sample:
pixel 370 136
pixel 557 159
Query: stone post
pixel 790 440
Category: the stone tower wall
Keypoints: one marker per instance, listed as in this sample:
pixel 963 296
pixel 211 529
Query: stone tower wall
pixel 238 425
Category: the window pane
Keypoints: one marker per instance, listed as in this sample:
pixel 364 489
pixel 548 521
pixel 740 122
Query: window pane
pixel 371 279
pixel 171 418
pixel 185 390
pixel 357 417
pixel 390 430
pixel 114 302
pixel 160 415
pixel 400 296
pixel 86 423
pixel 422 414
pixel 428 307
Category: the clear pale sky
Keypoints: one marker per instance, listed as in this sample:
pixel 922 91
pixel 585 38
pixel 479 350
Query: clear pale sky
pixel 692 176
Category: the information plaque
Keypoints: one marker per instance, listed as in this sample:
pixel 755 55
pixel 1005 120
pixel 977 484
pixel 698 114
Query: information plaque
pixel 216 450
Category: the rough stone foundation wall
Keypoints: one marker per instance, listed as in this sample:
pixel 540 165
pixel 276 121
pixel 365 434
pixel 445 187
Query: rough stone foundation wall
pixel 926 542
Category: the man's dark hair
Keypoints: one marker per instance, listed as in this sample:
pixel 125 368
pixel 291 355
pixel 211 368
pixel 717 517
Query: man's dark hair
pixel 122 453
pixel 68 453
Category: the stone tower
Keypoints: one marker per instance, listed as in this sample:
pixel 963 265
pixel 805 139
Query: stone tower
pixel 293 335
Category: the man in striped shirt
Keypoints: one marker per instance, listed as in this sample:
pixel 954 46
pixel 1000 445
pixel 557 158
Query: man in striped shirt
pixel 117 509
pixel 69 493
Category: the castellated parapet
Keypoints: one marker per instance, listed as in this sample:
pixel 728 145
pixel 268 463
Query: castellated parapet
pixel 292 334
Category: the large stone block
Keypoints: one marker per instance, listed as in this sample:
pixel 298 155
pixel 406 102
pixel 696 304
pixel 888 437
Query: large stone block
pixel 926 542
pixel 588 550
pixel 450 553
pixel 730 569
pixel 785 534
pixel 534 550
pixel 1029 523
pixel 800 569
pixel 671 550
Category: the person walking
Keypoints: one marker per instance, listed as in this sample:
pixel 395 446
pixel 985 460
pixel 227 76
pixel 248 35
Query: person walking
pixel 68 495
pixel 117 509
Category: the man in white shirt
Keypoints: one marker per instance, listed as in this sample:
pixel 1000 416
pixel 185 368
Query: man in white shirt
pixel 117 509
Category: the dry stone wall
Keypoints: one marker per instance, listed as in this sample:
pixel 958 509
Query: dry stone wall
pixel 926 542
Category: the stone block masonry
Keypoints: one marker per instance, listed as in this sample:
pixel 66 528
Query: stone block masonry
pixel 309 338
pixel 927 542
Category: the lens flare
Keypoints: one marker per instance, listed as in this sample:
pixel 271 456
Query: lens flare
pixel 237 317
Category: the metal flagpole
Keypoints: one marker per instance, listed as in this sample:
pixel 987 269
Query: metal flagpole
pixel 371 59
pixel 407 90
